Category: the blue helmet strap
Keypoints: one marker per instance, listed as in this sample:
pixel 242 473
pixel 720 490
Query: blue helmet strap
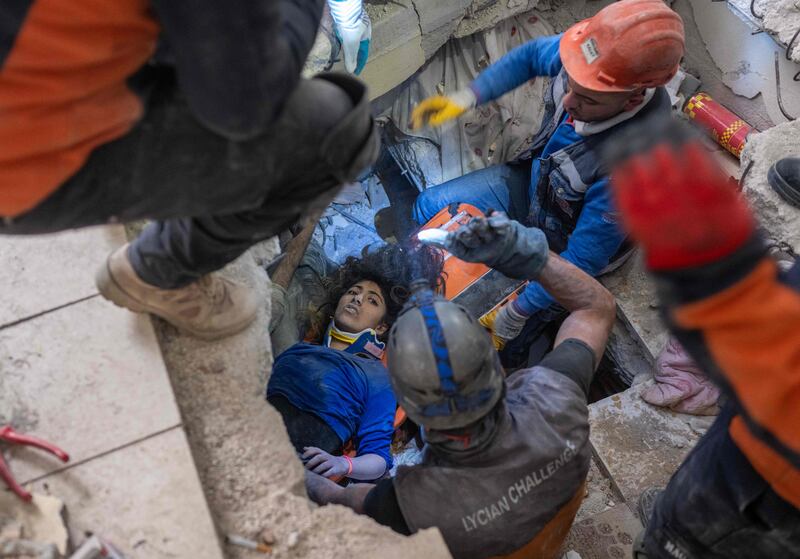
pixel 438 343
pixel 451 401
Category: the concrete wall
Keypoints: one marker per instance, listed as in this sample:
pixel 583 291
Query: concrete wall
pixel 405 33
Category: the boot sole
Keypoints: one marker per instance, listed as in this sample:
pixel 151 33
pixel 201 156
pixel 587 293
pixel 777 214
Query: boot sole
pixel 112 292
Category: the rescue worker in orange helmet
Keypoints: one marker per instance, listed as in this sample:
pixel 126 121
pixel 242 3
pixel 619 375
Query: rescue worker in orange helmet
pixel 607 72
pixel 505 462
pixel 737 494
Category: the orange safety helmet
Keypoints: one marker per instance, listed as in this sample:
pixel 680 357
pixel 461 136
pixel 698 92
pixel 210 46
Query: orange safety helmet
pixel 625 46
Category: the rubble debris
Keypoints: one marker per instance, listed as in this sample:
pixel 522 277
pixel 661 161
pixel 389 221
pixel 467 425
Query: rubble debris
pixel 747 64
pixel 781 17
pixel 608 534
pixel 25 549
pixel 599 493
pixel 637 301
pixel 491 15
pixel 40 522
pixel 638 444
pixel 777 216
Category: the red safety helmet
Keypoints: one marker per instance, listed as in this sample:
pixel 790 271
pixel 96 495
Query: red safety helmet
pixel 625 46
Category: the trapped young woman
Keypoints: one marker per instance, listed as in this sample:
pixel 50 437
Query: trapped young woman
pixel 335 388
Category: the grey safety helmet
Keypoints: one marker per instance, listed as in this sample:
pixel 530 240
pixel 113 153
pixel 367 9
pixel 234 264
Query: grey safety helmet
pixel 443 367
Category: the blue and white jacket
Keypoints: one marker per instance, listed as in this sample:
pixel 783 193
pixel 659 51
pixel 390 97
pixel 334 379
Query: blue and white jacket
pixel 569 195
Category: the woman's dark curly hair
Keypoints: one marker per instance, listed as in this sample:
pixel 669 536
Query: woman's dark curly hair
pixel 391 267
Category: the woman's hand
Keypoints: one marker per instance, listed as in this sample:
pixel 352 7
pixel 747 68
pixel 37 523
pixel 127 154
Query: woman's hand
pixel 324 464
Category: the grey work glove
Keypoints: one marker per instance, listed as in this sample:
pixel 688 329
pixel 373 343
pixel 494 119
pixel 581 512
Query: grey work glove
pixel 509 323
pixel 507 246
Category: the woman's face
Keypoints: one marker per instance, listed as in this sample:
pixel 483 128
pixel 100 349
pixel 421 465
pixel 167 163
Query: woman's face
pixel 361 307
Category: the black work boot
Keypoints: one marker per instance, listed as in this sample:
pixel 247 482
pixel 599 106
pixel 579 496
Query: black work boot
pixel 784 178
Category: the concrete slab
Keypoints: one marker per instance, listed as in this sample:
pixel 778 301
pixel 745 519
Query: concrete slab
pixel 608 535
pixel 44 272
pixel 438 20
pixel 637 301
pixel 145 498
pixel 393 24
pixel 781 219
pixel 88 377
pixel 640 445
pixel 716 81
pixel 388 69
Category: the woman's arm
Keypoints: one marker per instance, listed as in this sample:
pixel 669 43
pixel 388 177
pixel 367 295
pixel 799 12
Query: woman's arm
pixel 324 492
pixel 365 467
pixel 368 467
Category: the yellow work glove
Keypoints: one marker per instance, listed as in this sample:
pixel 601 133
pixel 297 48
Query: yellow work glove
pixel 435 111
pixel 487 321
pixel 505 323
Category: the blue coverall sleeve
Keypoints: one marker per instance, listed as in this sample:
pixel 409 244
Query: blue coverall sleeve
pixel 377 425
pixel 595 240
pixel 538 57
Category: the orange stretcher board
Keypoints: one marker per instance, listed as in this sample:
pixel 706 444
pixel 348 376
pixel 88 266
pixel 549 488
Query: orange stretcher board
pixel 475 287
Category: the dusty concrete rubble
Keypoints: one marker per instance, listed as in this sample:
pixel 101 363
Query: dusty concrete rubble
pixel 781 17
pixel 763 149
pixel 745 58
pixel 40 521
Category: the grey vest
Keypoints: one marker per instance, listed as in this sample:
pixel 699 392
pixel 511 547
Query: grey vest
pixel 495 501
pixel 565 175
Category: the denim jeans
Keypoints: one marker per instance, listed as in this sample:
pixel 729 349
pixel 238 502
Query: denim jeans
pixel 500 187
pixel 211 197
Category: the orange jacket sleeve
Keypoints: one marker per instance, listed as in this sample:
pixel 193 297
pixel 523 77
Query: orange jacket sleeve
pixel 747 336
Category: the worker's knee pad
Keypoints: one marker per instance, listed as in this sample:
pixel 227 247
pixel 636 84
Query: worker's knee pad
pixel 352 142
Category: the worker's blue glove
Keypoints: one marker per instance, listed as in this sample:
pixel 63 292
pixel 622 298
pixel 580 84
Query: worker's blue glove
pixel 354 30
pixel 507 246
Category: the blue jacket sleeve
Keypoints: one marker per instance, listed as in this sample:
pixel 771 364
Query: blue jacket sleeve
pixel 596 239
pixel 377 425
pixel 538 57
